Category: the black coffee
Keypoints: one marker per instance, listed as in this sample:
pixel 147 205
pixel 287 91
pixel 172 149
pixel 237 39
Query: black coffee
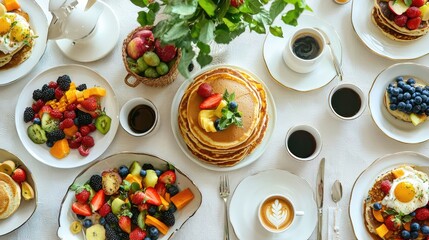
pixel 306 47
pixel 346 102
pixel 141 118
pixel 301 144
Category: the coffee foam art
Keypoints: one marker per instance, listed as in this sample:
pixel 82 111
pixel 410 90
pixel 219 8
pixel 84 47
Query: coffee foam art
pixel 276 213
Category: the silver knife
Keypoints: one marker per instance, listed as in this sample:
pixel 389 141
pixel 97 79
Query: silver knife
pixel 319 197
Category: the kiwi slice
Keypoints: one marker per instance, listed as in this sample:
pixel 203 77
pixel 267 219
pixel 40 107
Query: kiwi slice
pixel 49 123
pixel 36 134
pixel 102 123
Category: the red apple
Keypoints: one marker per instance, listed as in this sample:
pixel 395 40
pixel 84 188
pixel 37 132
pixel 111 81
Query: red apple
pixel 398 7
pixel 166 53
pixel 136 48
pixel 147 36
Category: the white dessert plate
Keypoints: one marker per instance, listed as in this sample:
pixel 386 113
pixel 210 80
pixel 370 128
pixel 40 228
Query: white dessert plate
pixel 251 191
pixel 250 158
pixel 100 43
pixel 78 74
pixel 367 178
pixel 399 130
pixel 322 75
pixel 66 216
pixel 27 207
pixel 39 24
pixel 377 42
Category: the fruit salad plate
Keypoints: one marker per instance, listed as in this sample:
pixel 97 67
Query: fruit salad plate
pixel 394 128
pixel 27 207
pixel 79 75
pixel 39 24
pixel 280 72
pixel 367 178
pixel 248 159
pixel 251 191
pixel 67 216
pixel 377 42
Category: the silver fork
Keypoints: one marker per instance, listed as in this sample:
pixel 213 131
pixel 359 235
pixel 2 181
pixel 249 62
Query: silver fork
pixel 224 194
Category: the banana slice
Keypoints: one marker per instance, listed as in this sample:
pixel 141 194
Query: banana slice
pixel 95 232
pixel 76 227
pixel 7 167
pixel 27 191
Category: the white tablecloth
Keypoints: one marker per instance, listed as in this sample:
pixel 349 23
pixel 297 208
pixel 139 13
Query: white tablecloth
pixel 349 147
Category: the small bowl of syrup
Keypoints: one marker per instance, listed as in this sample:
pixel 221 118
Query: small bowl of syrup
pixel 303 142
pixel 139 117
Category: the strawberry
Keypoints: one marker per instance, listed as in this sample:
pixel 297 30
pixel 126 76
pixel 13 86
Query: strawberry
pixel 82 195
pixel 165 53
pixel 401 20
pixel 75 141
pixel 211 102
pixel 90 104
pixel 418 3
pixel 160 188
pixel 393 223
pixel 137 234
pixel 125 223
pixel 137 198
pixel 45 109
pixel 56 114
pixel 105 209
pixel 66 123
pixel 168 177
pixel 142 207
pixel 71 107
pixel 236 3
pixel 19 175
pixel 69 114
pixel 413 12
pixel 414 23
pixel 88 141
pixel 98 200
pixel 53 84
pixel 152 197
pixel 385 186
pixel 205 90
pixel 92 127
pixel 83 151
pixel 58 93
pixel 84 130
pixel 81 209
pixel 422 214
pixel 37 105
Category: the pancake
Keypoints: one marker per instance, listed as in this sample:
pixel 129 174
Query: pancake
pixel 10 196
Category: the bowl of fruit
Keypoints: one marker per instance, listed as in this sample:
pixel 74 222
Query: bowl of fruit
pixel 149 61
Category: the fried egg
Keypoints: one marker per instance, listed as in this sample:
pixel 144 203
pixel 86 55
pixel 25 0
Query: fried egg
pixel 14 32
pixel 409 191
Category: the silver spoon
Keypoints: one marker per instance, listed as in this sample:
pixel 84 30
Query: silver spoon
pixel 336 195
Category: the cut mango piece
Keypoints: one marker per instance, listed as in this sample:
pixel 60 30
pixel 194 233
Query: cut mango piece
pixel 181 199
pixel 95 91
pixel 377 215
pixel 134 179
pixel 71 96
pixel 164 203
pixel 399 172
pixel 382 230
pixel 60 149
pixel 151 221
pixel 11 5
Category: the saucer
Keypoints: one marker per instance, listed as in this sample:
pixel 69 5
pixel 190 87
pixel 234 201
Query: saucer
pixel 98 44
pixel 243 209
pixel 273 50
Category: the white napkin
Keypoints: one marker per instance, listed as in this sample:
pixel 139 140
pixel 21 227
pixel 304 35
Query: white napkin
pixel 332 221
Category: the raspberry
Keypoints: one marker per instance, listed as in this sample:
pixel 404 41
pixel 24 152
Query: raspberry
pixel 88 141
pixel 52 84
pixel 56 114
pixel 385 186
pixel 422 214
pixel 418 3
pixel 413 12
pixel 205 90
pixel 37 105
pixel 414 23
pixel 401 20
pixel 104 210
pixel 66 123
pixel 71 107
pixel 84 130
pixel 92 127
pixel 70 114
pixel 59 93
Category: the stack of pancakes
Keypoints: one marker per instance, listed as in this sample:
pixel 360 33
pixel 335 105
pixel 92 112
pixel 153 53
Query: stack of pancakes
pixel 230 146
pixel 10 196
pixel 383 18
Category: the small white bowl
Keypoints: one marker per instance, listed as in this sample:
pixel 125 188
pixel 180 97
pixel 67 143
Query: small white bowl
pixel 126 109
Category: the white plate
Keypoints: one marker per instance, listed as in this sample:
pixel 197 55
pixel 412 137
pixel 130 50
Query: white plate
pixel 98 44
pixel 249 193
pixel 322 75
pixel 27 208
pixel 78 74
pixel 39 24
pixel 399 130
pixel 375 40
pixel 367 178
pixel 250 158
pixel 66 216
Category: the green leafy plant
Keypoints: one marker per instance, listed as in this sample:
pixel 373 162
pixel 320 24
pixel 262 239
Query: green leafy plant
pixel 191 24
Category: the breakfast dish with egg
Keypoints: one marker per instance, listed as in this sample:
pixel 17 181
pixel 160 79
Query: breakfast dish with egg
pixel 401 20
pixel 16 36
pixel 223 116
pixel 396 205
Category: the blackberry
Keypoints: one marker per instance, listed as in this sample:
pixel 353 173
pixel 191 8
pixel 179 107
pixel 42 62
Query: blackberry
pixel 147 166
pixel 123 235
pixel 44 87
pixel 55 135
pixel 135 212
pixel 37 94
pixel 95 182
pixel 111 219
pixel 110 233
pixel 28 114
pixel 172 208
pixel 48 94
pixel 83 118
pixel 167 217
pixel 152 210
pixel 81 87
pixel 64 82
pixel 172 190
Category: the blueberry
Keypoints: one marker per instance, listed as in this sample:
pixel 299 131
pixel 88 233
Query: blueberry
pixel 102 221
pixel 377 206
pixel 418 100
pixel 425 92
pixel 400 97
pixel 393 107
pixel 425 230
pixel 424 98
pixel 416 109
pixel 415 226
pixel 405 234
pixel 419 89
pixel 412 90
pixel 412 102
pixel 37 121
pixel 389 89
pixel 401 106
pixel 400 90
pixel 393 99
pixel 123 171
pixel 401 84
pixel 172 208
pixel 153 232
pixel 408 107
pixel 413 214
pixel 172 190
pixel 152 210
pixel 399 79
pixel 143 173
pixel 87 223
pixel 407 96
pixel 158 172
pixel 216 124
pixel 411 81
pixel 232 105
pixel 407 87
pixel 427 112
pixel 423 106
pixel 417 94
pixel 80 217
pixel 413 95
pixel 414 234
pixel 395 91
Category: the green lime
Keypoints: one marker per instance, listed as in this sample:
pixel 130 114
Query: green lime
pixel 162 68
pixel 151 73
pixel 151 59
pixel 141 64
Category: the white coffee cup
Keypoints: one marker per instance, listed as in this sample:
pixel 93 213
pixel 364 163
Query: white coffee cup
pixel 349 101
pixel 303 142
pixel 276 213
pixel 141 106
pixel 303 63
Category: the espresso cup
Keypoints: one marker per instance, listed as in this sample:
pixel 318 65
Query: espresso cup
pixel 304 50
pixel 303 142
pixel 276 213
pixel 139 117
pixel 346 101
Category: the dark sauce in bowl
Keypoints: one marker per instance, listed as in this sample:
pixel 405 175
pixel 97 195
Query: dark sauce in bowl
pixel 301 144
pixel 346 102
pixel 141 118
pixel 306 47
